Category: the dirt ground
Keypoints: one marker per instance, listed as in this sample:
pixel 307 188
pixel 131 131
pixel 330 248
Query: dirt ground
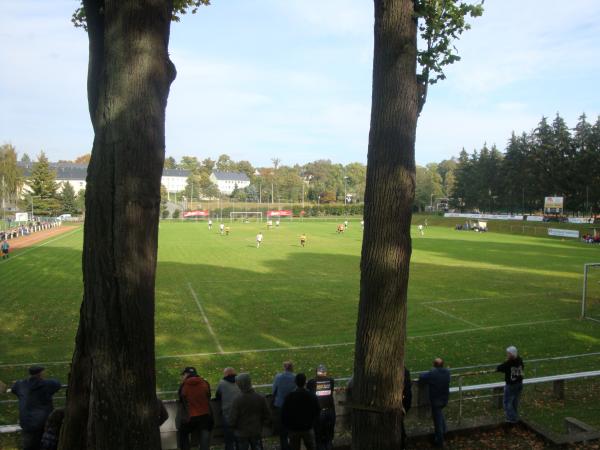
pixel 23 242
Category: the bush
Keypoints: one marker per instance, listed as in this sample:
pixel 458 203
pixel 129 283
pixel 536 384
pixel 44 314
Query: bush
pixel 165 214
pixel 176 214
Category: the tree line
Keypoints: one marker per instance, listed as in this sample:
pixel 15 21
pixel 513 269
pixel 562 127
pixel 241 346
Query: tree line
pixel 44 197
pixel 550 160
pixel 320 181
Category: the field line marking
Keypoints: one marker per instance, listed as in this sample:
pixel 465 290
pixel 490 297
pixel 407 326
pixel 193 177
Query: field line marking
pixel 27 250
pixel 491 327
pixel 474 299
pixel 308 347
pixel 452 316
pixel 260 350
pixel 210 329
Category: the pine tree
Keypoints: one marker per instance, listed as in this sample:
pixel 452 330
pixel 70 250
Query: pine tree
pixel 67 199
pixel 43 180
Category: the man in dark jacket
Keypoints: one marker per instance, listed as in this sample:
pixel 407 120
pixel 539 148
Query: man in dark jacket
pixel 249 414
pixel 322 386
pixel 299 412
pixel 438 381
pixel 227 392
pixel 512 369
pixel 35 405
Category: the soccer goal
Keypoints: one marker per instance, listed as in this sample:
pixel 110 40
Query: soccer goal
pixel 246 216
pixel 590 300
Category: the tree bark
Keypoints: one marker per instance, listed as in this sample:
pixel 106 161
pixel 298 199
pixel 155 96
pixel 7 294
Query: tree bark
pixel 111 400
pixel 386 250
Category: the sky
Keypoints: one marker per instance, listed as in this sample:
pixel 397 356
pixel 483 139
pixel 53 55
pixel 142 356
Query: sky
pixel 292 79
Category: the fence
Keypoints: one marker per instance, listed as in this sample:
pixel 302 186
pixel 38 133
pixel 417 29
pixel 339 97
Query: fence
pixel 484 391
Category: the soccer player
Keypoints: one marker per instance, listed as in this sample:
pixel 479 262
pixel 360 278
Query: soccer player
pixel 209 224
pixel 259 238
pixel 226 231
pixel 221 228
pixel 346 223
pixel 421 230
pixel 303 239
pixel 277 223
pixel 362 224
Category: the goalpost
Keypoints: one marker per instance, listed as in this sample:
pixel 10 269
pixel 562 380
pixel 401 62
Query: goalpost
pixel 590 300
pixel 246 216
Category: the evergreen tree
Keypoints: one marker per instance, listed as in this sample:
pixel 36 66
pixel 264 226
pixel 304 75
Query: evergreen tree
pixel 67 199
pixel 43 179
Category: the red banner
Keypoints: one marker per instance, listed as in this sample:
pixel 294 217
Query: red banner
pixel 198 213
pixel 280 213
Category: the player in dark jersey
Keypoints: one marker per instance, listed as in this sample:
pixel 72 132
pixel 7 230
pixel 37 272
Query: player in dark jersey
pixel 322 386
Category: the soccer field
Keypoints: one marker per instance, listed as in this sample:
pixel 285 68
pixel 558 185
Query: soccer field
pixel 221 302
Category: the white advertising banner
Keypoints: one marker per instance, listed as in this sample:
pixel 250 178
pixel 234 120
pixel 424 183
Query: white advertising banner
pixel 484 216
pixel 21 217
pixel 581 220
pixel 563 233
pixel 535 218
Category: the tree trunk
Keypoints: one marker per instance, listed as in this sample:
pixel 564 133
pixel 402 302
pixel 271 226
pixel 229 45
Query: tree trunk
pixel 386 250
pixel 111 401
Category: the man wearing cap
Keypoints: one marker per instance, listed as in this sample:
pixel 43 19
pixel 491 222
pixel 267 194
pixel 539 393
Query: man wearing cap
pixel 227 392
pixel 283 384
pixel 438 382
pixel 512 369
pixel 322 386
pixel 194 414
pixel 35 405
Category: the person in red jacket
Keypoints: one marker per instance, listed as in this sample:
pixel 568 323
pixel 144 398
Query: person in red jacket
pixel 194 411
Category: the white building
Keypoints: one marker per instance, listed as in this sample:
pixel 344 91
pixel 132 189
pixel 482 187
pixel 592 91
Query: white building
pixel 75 174
pixel 175 180
pixel 227 181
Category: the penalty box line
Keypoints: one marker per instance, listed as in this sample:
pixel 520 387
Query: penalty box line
pixel 452 316
pixel 210 329
pixel 308 347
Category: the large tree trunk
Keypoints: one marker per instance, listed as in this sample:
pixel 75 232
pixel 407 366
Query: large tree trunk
pixel 111 401
pixel 386 250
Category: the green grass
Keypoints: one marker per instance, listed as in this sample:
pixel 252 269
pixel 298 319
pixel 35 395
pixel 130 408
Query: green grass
pixel 490 290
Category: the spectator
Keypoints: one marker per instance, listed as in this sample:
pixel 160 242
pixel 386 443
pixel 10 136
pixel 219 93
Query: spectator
pixel 438 381
pixel 249 414
pixel 194 415
pixel 52 430
pixel 5 247
pixel 227 392
pixel 35 405
pixel 283 384
pixel 513 376
pixel 322 386
pixel 299 412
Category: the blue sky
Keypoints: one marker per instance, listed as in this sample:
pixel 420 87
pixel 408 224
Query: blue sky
pixel 292 79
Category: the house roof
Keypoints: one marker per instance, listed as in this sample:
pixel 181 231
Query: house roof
pixel 176 173
pixel 230 176
pixel 68 171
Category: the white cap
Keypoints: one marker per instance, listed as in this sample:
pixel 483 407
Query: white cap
pixel 512 350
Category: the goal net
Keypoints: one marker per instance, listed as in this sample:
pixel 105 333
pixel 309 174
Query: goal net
pixel 246 216
pixel 590 301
